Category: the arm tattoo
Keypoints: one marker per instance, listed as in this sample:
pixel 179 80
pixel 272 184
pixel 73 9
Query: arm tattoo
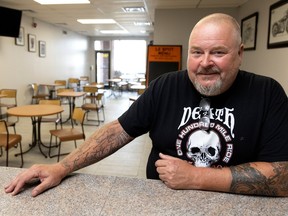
pixel 102 143
pixel 248 180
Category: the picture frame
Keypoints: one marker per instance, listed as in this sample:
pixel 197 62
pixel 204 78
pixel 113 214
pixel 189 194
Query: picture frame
pixel 20 41
pixel 42 49
pixel 31 43
pixel 278 25
pixel 249 31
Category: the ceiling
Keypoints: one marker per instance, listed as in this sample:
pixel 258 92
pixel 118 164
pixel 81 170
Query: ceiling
pixel 66 16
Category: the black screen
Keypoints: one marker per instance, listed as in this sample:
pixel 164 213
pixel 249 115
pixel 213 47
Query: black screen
pixel 158 68
pixel 10 21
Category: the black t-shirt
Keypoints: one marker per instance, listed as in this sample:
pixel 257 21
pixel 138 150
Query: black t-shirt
pixel 248 122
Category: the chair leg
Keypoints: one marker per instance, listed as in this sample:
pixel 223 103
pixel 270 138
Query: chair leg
pixel 103 115
pixel 14 127
pixel 87 119
pixel 22 161
pixel 50 146
pixel 59 149
pixel 7 156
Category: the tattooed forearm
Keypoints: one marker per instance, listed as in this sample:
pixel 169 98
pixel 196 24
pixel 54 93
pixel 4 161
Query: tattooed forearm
pixel 247 179
pixel 102 143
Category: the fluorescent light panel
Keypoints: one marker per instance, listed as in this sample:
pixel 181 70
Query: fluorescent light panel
pixel 134 9
pixel 96 21
pixel 114 31
pixel 47 2
pixel 142 23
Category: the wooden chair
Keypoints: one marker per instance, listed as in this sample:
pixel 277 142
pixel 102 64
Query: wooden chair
pixel 8 141
pixel 36 96
pixel 84 80
pixel 56 119
pixel 10 97
pixel 63 83
pixel 74 83
pixel 9 101
pixel 139 92
pixel 64 100
pixel 96 105
pixel 90 93
pixel 69 134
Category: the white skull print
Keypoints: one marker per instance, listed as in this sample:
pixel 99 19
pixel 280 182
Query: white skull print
pixel 203 148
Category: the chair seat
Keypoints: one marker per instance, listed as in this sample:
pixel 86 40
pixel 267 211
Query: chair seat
pixel 68 134
pixel 40 96
pixel 7 105
pixel 91 106
pixel 133 98
pixel 52 120
pixel 13 140
pixel 11 124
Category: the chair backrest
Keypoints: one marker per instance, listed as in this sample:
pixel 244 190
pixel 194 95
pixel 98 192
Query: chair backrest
pixel 78 115
pixel 3 127
pixel 73 80
pixel 84 78
pixel 35 88
pixel 140 91
pixel 90 89
pixel 10 94
pixel 99 99
pixel 64 90
pixel 50 102
pixel 61 82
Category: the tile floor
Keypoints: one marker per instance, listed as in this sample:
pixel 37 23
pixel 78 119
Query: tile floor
pixel 129 161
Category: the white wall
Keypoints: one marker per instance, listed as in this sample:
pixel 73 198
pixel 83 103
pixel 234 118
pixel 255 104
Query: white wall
pixel 67 55
pixel 173 26
pixel 269 62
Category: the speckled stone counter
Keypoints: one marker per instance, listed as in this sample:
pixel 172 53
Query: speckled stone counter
pixel 82 194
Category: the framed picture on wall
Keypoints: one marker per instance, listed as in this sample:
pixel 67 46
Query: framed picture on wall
pixel 42 49
pixel 249 31
pixel 278 25
pixel 31 43
pixel 20 41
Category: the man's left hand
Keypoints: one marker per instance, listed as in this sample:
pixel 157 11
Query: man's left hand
pixel 174 172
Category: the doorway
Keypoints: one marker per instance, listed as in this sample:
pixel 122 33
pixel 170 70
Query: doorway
pixel 103 66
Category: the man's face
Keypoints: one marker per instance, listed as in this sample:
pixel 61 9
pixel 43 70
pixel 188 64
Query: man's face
pixel 214 57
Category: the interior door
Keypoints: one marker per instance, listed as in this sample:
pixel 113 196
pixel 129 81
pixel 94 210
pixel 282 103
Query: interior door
pixel 103 65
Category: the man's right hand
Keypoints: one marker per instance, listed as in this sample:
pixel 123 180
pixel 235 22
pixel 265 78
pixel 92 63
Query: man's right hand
pixel 48 175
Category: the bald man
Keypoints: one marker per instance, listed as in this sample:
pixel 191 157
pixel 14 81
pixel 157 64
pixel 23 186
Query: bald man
pixel 213 126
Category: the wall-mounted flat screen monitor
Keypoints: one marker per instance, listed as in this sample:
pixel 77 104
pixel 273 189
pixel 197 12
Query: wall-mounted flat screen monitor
pixel 10 21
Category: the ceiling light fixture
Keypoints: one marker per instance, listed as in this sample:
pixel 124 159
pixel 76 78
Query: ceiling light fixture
pixel 114 31
pixel 142 23
pixel 134 9
pixel 96 21
pixel 48 2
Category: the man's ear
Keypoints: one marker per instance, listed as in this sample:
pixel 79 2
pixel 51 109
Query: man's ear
pixel 241 50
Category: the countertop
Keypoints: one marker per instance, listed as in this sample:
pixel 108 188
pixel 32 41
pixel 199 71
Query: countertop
pixel 84 194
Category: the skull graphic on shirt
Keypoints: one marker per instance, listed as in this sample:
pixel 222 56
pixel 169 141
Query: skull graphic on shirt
pixel 203 147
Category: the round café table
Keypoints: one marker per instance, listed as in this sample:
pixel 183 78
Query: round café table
pixel 35 112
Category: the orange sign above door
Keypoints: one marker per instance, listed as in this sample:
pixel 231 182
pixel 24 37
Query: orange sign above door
pixel 162 53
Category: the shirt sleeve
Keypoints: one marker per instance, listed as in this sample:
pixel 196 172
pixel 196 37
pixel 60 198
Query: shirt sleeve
pixel 274 137
pixel 137 120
